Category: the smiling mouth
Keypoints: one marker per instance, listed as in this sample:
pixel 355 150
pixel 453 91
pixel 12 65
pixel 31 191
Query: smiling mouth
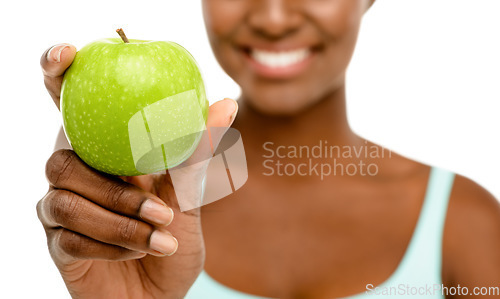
pixel 279 63
pixel 281 59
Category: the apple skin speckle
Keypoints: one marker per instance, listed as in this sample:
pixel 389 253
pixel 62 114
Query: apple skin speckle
pixel 110 81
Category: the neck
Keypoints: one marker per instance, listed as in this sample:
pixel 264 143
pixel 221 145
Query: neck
pixel 324 120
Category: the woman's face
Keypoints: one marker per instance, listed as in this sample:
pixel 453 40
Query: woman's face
pixel 285 54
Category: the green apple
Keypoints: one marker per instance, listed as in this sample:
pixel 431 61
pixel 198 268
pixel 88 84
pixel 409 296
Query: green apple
pixel 133 107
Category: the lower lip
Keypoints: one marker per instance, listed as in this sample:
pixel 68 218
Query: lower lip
pixel 286 72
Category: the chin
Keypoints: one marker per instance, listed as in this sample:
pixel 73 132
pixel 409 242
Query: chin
pixel 284 100
pixel 278 106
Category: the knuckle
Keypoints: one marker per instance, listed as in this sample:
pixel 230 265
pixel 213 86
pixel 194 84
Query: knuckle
pixel 115 195
pixel 39 208
pixel 60 167
pixel 71 243
pixel 64 207
pixel 127 228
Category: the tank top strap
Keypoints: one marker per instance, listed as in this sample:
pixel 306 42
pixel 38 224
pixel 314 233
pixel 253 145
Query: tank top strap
pixel 422 260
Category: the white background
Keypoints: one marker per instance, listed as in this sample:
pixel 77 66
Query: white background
pixel 424 82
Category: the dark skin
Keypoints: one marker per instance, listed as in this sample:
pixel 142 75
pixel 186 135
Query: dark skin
pixel 278 236
pixel 358 211
pixel 335 235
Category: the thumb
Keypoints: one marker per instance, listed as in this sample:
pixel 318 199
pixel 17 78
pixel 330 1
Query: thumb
pixel 222 113
pixel 221 116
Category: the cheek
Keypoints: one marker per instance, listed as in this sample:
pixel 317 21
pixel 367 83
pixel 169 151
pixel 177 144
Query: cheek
pixel 336 17
pixel 222 17
pixel 338 22
pixel 222 20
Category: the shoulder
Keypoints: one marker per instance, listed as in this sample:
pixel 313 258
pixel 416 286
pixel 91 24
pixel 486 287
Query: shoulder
pixel 471 242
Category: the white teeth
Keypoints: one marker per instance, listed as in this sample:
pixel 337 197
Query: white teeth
pixel 279 59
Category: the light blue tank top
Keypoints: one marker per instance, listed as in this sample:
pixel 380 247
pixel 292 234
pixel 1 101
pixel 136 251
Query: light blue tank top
pixel 417 276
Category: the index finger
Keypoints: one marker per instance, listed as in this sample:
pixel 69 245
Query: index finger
pixel 66 171
pixel 54 62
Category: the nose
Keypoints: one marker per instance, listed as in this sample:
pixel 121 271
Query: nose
pixel 274 19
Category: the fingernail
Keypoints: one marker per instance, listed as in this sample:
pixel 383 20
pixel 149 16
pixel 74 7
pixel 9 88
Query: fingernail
pixel 233 116
pixel 54 54
pixel 156 212
pixel 163 242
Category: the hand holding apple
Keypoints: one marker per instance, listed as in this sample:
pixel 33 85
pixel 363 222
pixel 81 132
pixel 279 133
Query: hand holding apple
pixel 133 107
pixel 98 226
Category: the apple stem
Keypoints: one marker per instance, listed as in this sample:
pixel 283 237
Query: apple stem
pixel 122 35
